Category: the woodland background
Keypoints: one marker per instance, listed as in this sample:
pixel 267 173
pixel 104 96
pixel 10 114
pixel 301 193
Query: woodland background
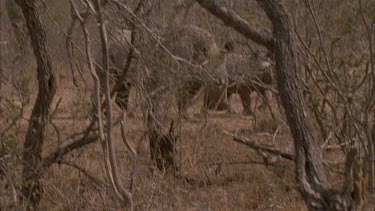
pixel 50 145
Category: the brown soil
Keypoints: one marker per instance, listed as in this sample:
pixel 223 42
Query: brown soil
pixel 216 173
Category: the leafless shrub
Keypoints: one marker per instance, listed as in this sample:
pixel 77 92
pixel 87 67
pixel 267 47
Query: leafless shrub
pixel 159 58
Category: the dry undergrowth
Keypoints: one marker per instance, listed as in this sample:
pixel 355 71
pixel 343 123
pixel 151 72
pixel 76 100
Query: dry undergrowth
pixel 216 173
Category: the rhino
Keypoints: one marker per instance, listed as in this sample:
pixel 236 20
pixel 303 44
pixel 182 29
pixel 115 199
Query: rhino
pixel 200 60
pixel 246 74
pixel 187 60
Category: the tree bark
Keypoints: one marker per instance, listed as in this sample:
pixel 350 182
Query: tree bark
pixel 231 19
pixel 47 84
pixel 122 194
pixel 311 178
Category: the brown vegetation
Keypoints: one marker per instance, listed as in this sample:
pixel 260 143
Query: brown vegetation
pixel 181 73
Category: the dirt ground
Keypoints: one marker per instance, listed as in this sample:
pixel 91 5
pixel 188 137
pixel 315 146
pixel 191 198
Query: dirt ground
pixel 215 173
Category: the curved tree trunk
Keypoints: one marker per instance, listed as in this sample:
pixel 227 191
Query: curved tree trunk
pixel 311 179
pixel 47 84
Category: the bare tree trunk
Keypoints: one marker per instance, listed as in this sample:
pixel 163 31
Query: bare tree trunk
pixel 47 84
pixel 372 157
pixel 309 166
pixel 162 145
pixel 311 179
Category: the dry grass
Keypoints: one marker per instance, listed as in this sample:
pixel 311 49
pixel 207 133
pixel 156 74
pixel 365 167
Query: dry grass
pixel 215 172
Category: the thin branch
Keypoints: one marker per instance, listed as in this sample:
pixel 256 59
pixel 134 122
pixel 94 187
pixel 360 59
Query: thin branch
pixel 122 194
pixel 131 149
pixel 53 113
pixel 92 68
pixel 96 102
pixel 178 60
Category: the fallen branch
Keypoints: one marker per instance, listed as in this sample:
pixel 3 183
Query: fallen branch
pixel 89 135
pixel 57 155
pixel 260 147
pixel 98 182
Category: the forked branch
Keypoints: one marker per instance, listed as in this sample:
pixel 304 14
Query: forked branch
pixel 123 195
